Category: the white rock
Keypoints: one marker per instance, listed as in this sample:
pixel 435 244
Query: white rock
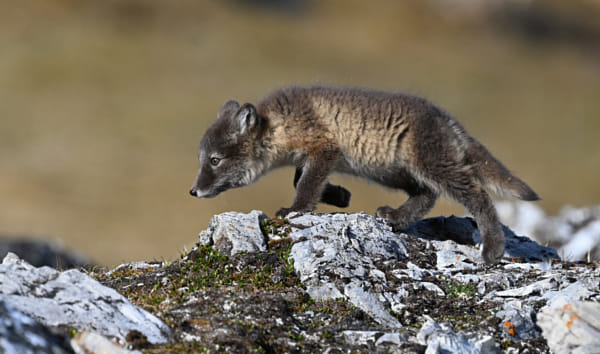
pixel 582 242
pixel 432 287
pixel 390 338
pixel 372 337
pixel 520 317
pixel 395 299
pixel 485 344
pixel 324 291
pixel 574 231
pixel 20 333
pixel 346 245
pixel 351 256
pixel 574 328
pixel 577 291
pixel 73 299
pixel 525 266
pixel 142 265
pixel 414 271
pixel 467 278
pixel 447 259
pixel 539 287
pixel 369 303
pixel 233 232
pixel 360 337
pixel 443 339
pixel 91 342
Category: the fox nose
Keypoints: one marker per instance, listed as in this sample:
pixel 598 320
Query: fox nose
pixel 193 192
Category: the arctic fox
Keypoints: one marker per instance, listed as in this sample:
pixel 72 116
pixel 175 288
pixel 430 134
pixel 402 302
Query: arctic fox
pixel 397 140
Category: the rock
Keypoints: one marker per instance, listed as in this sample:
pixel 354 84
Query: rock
pixel 584 243
pixel 414 271
pixel 370 304
pixel 20 333
pixel 390 338
pixel 455 259
pixel 347 282
pixel 434 288
pixel 324 291
pixel 444 339
pixel 574 232
pixel 574 328
pixel 372 337
pixel 537 288
pixel 346 245
pixel 71 299
pixel 459 233
pixel 91 342
pixel 232 232
pixel 580 290
pixel 518 321
pixel 38 252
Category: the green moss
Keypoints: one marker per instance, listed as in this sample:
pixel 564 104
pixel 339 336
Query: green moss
pixel 276 227
pixel 460 290
pixel 326 335
pixel 295 337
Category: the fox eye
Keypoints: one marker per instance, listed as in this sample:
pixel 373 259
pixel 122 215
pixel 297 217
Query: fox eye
pixel 214 161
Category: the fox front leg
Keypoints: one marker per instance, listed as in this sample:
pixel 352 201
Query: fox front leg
pixel 333 195
pixel 311 183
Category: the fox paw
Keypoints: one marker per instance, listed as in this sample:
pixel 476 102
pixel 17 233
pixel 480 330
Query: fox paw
pixel 283 212
pixel 492 255
pixel 385 212
pixel 394 216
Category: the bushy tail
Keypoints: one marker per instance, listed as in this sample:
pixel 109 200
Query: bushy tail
pixel 494 175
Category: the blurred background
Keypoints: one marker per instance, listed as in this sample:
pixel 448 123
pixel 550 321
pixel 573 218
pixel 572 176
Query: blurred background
pixel 103 103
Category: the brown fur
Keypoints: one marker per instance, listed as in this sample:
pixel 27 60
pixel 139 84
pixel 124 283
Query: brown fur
pixel 397 140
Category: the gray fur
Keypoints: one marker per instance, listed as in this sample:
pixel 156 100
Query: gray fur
pixel 397 140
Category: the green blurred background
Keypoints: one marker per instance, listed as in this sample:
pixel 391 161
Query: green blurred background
pixel 103 103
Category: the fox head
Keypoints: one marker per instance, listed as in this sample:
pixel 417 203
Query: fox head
pixel 229 151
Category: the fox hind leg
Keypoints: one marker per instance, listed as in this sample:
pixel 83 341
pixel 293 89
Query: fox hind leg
pixel 480 205
pixel 463 187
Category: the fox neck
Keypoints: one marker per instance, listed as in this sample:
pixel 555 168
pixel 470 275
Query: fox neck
pixel 263 154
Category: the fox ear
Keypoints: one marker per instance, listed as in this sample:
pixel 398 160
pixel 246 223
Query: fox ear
pixel 246 118
pixel 229 108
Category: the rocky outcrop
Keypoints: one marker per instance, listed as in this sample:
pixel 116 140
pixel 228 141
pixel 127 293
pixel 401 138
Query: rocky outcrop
pixel 572 328
pixel 20 333
pixel 70 302
pixel 434 264
pixel 314 283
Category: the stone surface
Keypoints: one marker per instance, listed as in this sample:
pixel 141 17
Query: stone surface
pixel 233 232
pixel 373 338
pixel 444 339
pixel 518 321
pixel 20 333
pixel 359 283
pixel 71 299
pixel 319 283
pixel 574 328
pixel 91 342
pixel 347 246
